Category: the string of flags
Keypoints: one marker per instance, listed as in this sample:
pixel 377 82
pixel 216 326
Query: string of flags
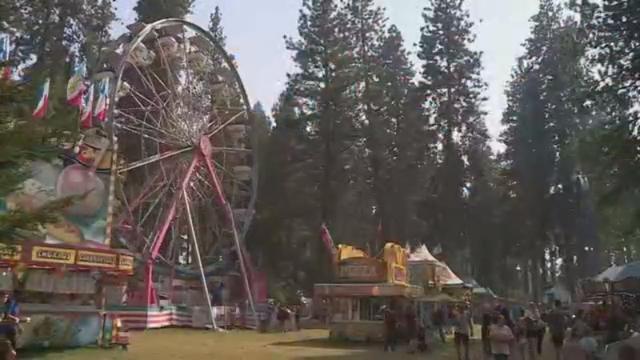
pixel 80 91
pixel 43 101
pixel 5 46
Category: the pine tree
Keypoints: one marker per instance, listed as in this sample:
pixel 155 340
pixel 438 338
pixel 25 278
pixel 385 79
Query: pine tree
pixel 22 140
pixel 215 27
pixel 323 90
pixel 543 120
pixel 614 34
pixel 153 10
pixel 452 84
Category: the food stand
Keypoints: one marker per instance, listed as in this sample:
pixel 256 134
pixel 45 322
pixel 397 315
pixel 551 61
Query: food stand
pixel 61 289
pixel 363 286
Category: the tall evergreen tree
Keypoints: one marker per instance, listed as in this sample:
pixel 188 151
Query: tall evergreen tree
pixel 323 88
pixel 215 27
pixel 544 116
pixel 452 84
pixel 153 10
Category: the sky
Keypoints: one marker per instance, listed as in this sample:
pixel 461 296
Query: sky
pixel 255 30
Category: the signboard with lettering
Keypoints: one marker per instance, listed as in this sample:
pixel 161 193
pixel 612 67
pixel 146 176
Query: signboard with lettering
pixel 125 263
pixel 399 274
pixel 53 255
pixel 10 252
pixel 96 259
pixel 361 270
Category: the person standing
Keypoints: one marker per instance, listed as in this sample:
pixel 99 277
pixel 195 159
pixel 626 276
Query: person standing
pixel 520 334
pixel 438 322
pixel 412 330
pixel 533 324
pixel 571 349
pixel 501 337
pixel 463 330
pixel 390 324
pixel 557 321
pixel 10 318
pixel 484 334
pixel 283 316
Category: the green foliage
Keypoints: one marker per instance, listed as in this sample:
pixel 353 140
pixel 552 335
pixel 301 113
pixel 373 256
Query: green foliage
pixel 153 10
pixel 453 87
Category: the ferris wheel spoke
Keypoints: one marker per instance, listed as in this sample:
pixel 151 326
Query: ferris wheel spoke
pixel 152 159
pixel 131 207
pixel 164 62
pixel 228 122
pixel 140 131
pixel 137 96
pixel 142 127
pixel 148 82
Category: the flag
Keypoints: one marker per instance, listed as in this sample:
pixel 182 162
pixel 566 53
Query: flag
pixel 86 115
pixel 327 240
pixel 75 87
pixel 103 100
pixel 43 101
pixel 5 48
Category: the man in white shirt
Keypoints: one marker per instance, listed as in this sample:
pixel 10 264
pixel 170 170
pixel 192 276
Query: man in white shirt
pixel 501 337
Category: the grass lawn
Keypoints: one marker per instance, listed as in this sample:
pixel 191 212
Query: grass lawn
pixel 179 344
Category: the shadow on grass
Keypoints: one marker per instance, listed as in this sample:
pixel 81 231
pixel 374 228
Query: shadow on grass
pixel 325 343
pixel 33 354
pixel 363 351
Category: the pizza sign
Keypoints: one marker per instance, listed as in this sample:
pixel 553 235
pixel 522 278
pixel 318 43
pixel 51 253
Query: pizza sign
pixel 361 270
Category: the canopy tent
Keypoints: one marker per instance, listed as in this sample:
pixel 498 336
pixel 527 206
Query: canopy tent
pixel 446 277
pixel 422 254
pixel 477 289
pixel 443 274
pixel 619 272
pixel 438 298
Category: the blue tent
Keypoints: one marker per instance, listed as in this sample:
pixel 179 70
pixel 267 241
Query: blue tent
pixel 620 272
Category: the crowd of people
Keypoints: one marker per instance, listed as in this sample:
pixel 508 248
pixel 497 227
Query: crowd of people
pixel 572 335
pixel 515 333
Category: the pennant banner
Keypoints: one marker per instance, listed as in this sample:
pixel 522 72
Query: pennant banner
pixel 75 87
pixel 103 100
pixel 43 101
pixel 327 239
pixel 5 49
pixel 86 115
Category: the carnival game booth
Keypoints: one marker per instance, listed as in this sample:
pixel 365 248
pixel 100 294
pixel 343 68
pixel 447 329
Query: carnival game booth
pixel 180 301
pixel 364 286
pixel 62 288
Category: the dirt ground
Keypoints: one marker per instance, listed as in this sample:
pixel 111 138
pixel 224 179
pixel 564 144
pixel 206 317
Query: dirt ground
pixel 184 344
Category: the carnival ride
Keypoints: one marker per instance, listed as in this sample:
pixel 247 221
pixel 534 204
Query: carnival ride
pixel 184 175
pixel 165 186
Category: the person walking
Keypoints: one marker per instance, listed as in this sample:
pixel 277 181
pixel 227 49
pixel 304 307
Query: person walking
pixel 571 349
pixel 533 324
pixel 390 324
pixel 501 337
pixel 484 334
pixel 463 330
pixel 520 334
pixel 557 321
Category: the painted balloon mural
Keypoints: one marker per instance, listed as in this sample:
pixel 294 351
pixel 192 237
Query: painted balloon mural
pixel 82 174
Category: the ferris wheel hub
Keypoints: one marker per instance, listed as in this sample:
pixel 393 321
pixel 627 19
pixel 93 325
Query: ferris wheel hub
pixel 205 145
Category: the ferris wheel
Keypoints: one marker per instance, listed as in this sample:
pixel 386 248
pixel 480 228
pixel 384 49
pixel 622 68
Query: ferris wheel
pixel 184 184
